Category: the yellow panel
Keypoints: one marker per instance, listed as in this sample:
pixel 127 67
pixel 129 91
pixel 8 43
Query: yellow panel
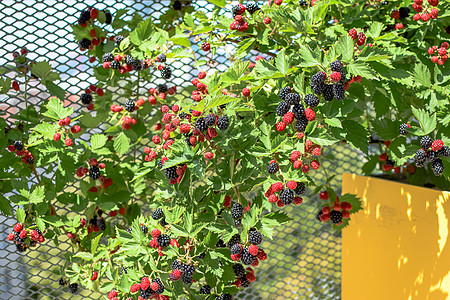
pixel 397 247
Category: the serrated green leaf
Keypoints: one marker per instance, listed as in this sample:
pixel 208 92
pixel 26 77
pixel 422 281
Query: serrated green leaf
pixel 181 39
pixel 40 224
pixel 282 62
pixel 84 255
pixel 345 48
pixel 335 122
pixel 357 135
pixel 360 68
pixel 121 144
pixel 309 58
pixel 422 75
pixel 220 3
pixel 427 122
pixel 46 129
pixel 142 32
pixel 98 141
pixel 20 215
pixel 37 195
pixel 385 128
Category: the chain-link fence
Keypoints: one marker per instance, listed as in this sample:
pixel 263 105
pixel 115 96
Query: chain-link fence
pixel 305 255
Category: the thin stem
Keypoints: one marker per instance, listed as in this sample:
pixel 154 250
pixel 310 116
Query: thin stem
pixel 36 174
pixel 26 91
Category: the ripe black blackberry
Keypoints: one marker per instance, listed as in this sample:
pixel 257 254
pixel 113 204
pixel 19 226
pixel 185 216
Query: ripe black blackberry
pixel 254 236
pixel 94 173
pixel 404 12
pixel 171 172
pixel 162 58
pixel 343 78
pixel 182 115
pixel 30 161
pixel 301 124
pixel 328 93
pixel 129 230
pixel 287 196
pixel 129 59
pixel 166 72
pixel 130 106
pixel 118 39
pixel 432 156
pixel 157 214
pixel 108 16
pixel 163 240
pixel 145 294
pixel 144 229
pixel 438 167
pixel 246 257
pixel 137 65
pixel 220 244
pixel 403 129
pixel 311 100
pixel 176 5
pixel 33 243
pixel 420 156
pixel 284 92
pixel 235 239
pixel 86 98
pixel 200 124
pixel 319 213
pixel 84 43
pixel 336 66
pixel 210 120
pixel 161 88
pixel 18 239
pixel 293 99
pixel 73 287
pixel 335 217
pixel 444 152
pixel 84 17
pixel 186 279
pixel 205 290
pixel 223 122
pixel 160 290
pixel 18 145
pixel 252 8
pixel 299 111
pixel 390 163
pixel 300 189
pixel 236 249
pixel 101 224
pixel 318 78
pixel 239 270
pixel 108 57
pixel 123 270
pixel 21 247
pixel 115 64
pixel 176 264
pixel 163 222
pixel 236 211
pixel 282 108
pixel 338 91
pixel 238 222
pixel 201 255
pixel 245 282
pixel 187 269
pixel 272 168
pixel 62 282
pixel 318 89
pixel 303 3
pixel 426 142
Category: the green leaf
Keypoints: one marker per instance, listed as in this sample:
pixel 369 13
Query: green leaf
pixel 360 68
pixel 422 75
pixel 41 69
pixel 56 109
pixel 345 47
pixel 142 32
pixel 175 161
pixel 121 144
pixel 20 215
pixel 375 30
pixel 5 85
pixel 84 255
pixel 357 135
pixel 37 195
pixel 282 62
pixel 220 3
pixel 309 58
pixel 335 122
pixel 181 39
pixel 40 224
pixel 5 206
pixel 265 136
pixel 46 129
pixel 244 47
pixel 98 141
pixel 427 122
pixel 233 73
pixel 385 128
pixel 55 90
pixel 220 100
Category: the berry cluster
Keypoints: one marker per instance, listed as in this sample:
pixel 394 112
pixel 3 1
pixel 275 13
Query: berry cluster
pixel 442 53
pixel 291 107
pixel 26 156
pixel 288 194
pixel 63 129
pixel 335 212
pixel 238 11
pixel 128 63
pixel 73 287
pixel 298 158
pixel 427 11
pixel 432 151
pixel 25 238
pixel 360 37
pixel 145 289
pixel 86 97
pixel 332 86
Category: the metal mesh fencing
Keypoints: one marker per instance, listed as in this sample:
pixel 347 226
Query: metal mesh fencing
pixel 304 256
